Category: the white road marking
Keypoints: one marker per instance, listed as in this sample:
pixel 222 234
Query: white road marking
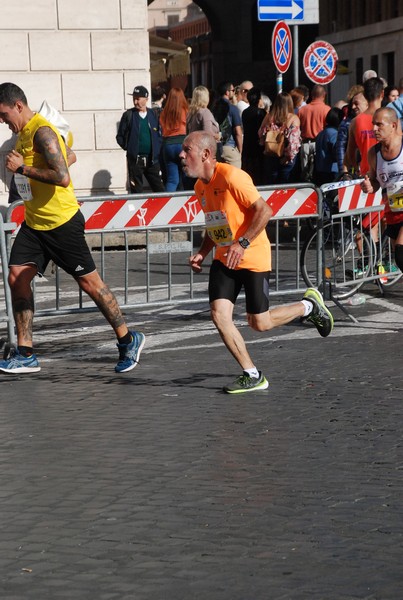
pixel 186 336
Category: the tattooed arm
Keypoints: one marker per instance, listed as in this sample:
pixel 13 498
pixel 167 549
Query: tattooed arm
pixel 71 156
pixel 47 144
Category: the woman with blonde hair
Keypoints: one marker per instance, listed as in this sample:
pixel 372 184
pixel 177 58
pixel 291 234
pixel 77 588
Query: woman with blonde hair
pixel 173 125
pixel 282 118
pixel 200 118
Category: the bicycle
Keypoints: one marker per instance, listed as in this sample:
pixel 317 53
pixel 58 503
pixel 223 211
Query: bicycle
pixel 346 265
pixel 350 255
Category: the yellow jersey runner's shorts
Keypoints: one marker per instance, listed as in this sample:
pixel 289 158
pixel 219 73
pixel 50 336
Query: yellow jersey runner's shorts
pixel 65 245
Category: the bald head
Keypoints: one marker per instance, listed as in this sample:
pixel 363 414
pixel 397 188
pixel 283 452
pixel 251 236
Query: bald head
pixel 203 140
pixel 198 155
pixel 386 126
pixel 388 114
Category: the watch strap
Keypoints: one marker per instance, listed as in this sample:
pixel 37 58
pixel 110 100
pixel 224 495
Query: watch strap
pixel 244 242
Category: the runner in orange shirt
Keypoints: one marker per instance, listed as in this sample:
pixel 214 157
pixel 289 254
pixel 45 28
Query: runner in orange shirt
pixel 236 217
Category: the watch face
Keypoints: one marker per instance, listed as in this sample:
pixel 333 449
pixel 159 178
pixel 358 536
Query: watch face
pixel 244 243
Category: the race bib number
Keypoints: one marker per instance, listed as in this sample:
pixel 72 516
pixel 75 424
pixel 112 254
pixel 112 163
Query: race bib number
pixel 395 195
pixel 218 228
pixel 23 186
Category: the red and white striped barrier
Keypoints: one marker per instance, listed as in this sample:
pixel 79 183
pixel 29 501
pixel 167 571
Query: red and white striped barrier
pixel 353 198
pixel 149 212
pixel 292 202
pixel 119 213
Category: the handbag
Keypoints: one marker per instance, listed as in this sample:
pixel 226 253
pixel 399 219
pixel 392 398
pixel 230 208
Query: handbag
pixel 274 143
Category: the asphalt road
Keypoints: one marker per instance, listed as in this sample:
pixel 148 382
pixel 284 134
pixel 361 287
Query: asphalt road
pixel 154 485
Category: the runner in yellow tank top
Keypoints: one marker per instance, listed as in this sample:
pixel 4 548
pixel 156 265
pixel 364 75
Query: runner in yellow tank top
pixel 53 230
pixel 50 205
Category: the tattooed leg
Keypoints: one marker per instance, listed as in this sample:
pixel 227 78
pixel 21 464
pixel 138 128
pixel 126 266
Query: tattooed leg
pixel 106 301
pixel 19 279
pixel 23 309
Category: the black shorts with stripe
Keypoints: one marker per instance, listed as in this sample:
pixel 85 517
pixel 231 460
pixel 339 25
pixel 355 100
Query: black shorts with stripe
pixel 225 283
pixel 65 245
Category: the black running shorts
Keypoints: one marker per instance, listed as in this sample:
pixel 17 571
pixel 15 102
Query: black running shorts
pixel 393 230
pixel 65 245
pixel 227 283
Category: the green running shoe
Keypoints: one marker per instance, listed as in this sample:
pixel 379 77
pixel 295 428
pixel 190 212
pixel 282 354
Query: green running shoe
pixel 320 316
pixel 246 383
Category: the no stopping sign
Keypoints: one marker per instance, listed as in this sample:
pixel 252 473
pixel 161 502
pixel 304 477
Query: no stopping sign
pixel 281 45
pixel 320 62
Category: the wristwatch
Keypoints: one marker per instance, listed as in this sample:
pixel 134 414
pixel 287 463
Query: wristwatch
pixel 20 170
pixel 244 242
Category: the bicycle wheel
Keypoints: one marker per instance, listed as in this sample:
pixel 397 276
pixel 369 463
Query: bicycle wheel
pixel 345 266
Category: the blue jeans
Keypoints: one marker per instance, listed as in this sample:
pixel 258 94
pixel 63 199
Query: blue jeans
pixel 173 166
pixel 275 172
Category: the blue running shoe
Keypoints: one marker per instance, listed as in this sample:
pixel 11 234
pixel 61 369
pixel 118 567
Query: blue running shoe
pixel 17 363
pixel 129 354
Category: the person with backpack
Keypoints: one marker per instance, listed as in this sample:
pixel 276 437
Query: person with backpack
pixel 252 150
pixel 229 120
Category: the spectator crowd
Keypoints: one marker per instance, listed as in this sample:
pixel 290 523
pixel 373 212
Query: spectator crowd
pixel 313 141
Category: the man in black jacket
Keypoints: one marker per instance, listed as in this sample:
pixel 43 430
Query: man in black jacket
pixel 139 134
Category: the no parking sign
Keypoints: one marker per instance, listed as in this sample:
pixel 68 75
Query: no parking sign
pixel 320 62
pixel 281 45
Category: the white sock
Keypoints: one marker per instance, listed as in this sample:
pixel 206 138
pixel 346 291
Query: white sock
pixel 308 307
pixel 253 372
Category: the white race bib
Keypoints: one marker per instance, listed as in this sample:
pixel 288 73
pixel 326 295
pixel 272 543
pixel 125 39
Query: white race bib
pixel 218 228
pixel 23 186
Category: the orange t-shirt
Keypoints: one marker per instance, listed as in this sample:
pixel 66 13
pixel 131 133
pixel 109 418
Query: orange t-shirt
pixel 179 129
pixel 226 201
pixel 313 118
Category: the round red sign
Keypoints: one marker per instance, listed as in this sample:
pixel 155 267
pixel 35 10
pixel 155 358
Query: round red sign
pixel 320 62
pixel 281 45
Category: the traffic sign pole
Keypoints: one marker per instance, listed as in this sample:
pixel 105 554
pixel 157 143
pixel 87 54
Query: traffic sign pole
pixel 279 81
pixel 296 55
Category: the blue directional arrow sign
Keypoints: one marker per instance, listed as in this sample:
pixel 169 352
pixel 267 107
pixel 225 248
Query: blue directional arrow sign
pixel 277 10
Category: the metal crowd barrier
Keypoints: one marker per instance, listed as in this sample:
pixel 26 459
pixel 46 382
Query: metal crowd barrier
pixel 141 244
pixel 356 249
pixel 6 308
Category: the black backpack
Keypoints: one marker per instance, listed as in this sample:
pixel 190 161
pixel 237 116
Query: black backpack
pixel 222 115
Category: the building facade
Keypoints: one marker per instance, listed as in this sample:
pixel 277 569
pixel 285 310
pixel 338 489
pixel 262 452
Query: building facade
pixel 366 35
pixel 84 58
pixel 167 13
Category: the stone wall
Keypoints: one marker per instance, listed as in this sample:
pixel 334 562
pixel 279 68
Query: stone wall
pixel 84 58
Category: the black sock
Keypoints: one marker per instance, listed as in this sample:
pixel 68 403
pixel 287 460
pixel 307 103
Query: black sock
pixel 126 339
pixel 25 351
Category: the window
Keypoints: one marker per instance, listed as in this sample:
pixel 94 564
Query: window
pixel 173 20
pixel 359 69
pixel 388 67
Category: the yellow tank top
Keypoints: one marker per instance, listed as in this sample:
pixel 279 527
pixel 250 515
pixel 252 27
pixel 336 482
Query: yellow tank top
pixel 51 205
